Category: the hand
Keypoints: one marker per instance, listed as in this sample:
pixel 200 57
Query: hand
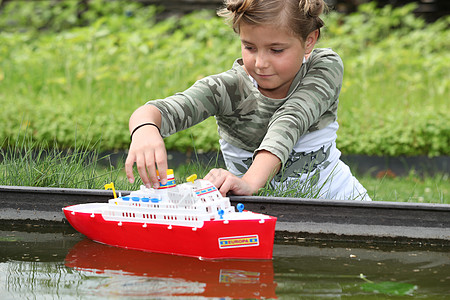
pixel 265 165
pixel 148 151
pixel 226 182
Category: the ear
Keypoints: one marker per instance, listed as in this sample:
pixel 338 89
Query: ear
pixel 311 41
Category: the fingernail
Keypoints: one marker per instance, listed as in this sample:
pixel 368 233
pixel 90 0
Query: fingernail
pixel 131 180
pixel 155 185
pixel 148 185
pixel 164 181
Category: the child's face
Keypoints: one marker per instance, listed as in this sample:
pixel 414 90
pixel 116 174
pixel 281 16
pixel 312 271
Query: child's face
pixel 272 56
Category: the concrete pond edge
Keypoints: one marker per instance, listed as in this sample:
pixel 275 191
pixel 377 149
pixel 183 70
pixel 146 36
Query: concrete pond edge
pixel 298 218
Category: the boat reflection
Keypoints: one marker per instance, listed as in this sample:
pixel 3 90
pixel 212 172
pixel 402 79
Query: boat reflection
pixel 138 273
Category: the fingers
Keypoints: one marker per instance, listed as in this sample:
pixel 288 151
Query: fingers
pixel 147 170
pixel 216 177
pixel 146 167
pixel 161 163
pixel 226 182
pixel 129 167
pixel 227 186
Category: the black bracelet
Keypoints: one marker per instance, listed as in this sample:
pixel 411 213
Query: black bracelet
pixel 142 125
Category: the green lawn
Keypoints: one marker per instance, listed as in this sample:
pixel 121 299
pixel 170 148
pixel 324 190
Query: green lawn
pixel 411 188
pixel 82 168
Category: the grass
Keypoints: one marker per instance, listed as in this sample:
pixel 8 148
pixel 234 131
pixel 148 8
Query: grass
pixel 411 188
pixel 28 164
pixel 31 165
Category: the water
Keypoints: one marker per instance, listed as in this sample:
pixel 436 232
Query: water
pixel 42 264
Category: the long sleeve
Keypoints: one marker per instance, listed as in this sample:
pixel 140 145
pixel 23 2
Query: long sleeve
pixel 207 97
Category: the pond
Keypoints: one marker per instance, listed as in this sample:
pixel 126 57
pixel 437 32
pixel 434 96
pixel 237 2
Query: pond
pixel 45 263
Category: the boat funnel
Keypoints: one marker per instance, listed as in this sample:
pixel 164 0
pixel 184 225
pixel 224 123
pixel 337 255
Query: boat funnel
pixel 170 180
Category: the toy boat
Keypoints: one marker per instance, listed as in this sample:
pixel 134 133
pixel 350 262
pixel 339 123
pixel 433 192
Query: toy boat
pixel 190 219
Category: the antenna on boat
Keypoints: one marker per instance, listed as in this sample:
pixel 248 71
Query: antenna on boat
pixel 191 178
pixel 111 186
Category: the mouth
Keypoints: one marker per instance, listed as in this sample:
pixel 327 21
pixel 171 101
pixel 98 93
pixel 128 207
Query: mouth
pixel 263 75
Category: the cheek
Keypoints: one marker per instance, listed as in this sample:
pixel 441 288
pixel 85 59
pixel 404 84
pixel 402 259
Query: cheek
pixel 248 61
pixel 246 57
pixel 290 66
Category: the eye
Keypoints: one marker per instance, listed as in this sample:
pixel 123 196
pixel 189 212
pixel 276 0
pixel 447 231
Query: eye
pixel 249 48
pixel 277 50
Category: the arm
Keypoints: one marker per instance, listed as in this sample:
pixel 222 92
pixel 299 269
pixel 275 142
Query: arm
pixel 147 148
pixel 265 165
pixel 171 115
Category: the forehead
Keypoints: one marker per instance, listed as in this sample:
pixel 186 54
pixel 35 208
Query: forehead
pixel 266 34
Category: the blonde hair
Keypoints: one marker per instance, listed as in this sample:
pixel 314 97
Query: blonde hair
pixel 301 17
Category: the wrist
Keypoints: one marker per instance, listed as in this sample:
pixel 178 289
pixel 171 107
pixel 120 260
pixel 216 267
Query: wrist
pixel 264 167
pixel 142 125
pixel 252 184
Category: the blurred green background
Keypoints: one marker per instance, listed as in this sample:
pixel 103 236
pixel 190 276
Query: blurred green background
pixel 71 76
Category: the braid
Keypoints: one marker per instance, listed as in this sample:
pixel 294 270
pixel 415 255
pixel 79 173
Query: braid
pixel 311 8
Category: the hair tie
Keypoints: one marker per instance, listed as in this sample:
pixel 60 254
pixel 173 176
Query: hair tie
pixel 239 6
pixel 142 125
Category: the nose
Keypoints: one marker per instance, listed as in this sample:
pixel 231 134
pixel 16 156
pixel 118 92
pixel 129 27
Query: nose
pixel 261 60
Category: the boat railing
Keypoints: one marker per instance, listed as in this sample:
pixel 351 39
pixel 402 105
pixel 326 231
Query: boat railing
pixel 162 208
pixel 157 217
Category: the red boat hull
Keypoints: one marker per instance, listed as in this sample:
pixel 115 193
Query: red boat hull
pixel 233 239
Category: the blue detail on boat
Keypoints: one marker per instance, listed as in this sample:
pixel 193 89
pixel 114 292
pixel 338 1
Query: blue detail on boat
pixel 205 191
pixel 169 183
pixel 155 200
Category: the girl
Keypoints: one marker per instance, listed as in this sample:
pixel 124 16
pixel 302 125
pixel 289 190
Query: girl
pixel 276 109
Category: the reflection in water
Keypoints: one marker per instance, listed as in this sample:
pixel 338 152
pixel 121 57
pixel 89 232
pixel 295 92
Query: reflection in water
pixel 56 265
pixel 155 274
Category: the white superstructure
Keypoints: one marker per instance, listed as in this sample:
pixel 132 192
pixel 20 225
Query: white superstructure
pixel 187 204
